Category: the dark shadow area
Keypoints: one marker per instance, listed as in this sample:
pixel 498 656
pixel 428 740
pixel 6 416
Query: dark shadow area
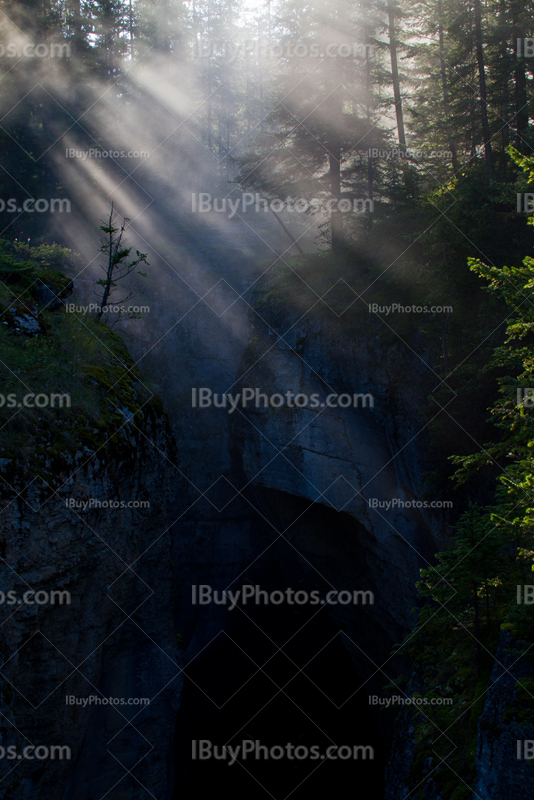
pixel 278 675
pixel 228 699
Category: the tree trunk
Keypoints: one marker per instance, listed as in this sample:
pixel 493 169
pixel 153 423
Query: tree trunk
pixel 408 183
pixel 130 29
pixel 482 88
pixel 452 144
pixel 77 38
pixel 505 109
pixel 520 83
pixel 109 270
pixel 369 126
pixel 336 217
pixel 395 76
pixel 521 106
pixel 333 146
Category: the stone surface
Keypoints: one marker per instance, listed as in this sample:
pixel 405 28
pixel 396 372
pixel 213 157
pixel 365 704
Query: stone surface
pixel 115 639
pixel 342 458
pixel 500 774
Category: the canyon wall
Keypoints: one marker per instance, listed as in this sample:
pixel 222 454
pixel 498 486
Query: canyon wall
pixel 113 637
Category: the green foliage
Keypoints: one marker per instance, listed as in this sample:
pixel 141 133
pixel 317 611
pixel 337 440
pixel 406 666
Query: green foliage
pixel 73 355
pixel 48 256
pixel 469 596
pixel 118 265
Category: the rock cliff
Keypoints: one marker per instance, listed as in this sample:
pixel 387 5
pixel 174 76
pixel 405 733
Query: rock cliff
pixel 100 622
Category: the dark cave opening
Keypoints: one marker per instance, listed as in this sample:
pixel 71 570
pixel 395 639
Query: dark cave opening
pixel 243 687
pixel 279 675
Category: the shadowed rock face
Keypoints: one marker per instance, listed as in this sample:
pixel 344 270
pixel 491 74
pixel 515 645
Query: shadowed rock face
pixel 287 501
pixel 337 457
pixel 343 458
pixel 504 736
pixel 504 743
pixel 115 639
